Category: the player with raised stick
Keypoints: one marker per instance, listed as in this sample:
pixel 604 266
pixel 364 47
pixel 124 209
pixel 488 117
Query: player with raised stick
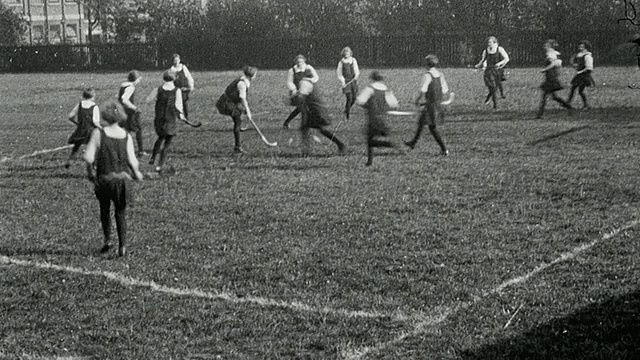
pixel 431 92
pixel 86 117
pixel 111 165
pixel 377 99
pixel 168 109
pixel 494 58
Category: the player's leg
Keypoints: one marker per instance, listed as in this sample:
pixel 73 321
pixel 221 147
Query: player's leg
pixel 421 122
pixel 185 106
pixel 305 137
pixel 493 85
pixel 583 96
pixel 121 227
pixel 369 150
pixel 136 127
pixel 350 100
pixel 571 93
pixel 543 103
pixel 237 124
pixel 560 101
pixel 140 143
pixel 72 155
pixel 332 136
pixel 436 135
pixel 168 140
pixel 156 150
pixel 292 115
pixel 105 220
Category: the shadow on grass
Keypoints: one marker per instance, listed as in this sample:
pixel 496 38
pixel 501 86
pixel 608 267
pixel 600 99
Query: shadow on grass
pixel 614 115
pixel 557 135
pixel 606 330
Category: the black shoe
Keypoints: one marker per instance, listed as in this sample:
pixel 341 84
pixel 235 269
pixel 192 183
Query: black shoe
pixel 122 251
pixel 342 149
pixel 152 161
pixel 410 144
pixel 285 125
pixel 444 153
pixel 239 150
pixel 67 165
pixel 105 248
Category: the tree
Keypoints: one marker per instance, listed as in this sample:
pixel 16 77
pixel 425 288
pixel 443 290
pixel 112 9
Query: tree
pixel 158 19
pixel 101 13
pixel 12 26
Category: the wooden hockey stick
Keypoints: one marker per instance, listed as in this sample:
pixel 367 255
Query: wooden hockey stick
pixel 445 102
pixel 264 139
pixel 195 124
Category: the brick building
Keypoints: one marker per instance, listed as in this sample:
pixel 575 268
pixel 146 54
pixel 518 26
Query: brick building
pixel 52 21
pixel 58 21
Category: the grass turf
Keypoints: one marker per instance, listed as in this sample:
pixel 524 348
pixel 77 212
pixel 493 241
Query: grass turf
pixel 410 238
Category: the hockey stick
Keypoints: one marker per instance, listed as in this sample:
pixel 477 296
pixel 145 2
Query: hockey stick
pixel 195 124
pixel 264 139
pixel 347 83
pixel 401 113
pixel 445 102
pixel 449 100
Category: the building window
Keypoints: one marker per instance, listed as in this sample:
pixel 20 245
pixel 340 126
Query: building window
pixel 37 33
pixel 53 1
pixel 71 34
pixel 55 37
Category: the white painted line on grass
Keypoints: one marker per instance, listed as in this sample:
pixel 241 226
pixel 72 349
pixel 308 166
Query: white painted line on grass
pixel 215 295
pixel 422 327
pixel 35 153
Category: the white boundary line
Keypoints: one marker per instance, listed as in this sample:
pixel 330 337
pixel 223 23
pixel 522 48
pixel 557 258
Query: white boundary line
pixel 422 327
pixel 35 153
pixel 352 354
pixel 215 295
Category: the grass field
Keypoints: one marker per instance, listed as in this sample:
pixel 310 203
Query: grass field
pixel 522 244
